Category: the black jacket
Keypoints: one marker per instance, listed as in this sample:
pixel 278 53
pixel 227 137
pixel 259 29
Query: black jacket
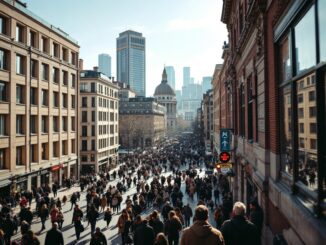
pixel 54 237
pixel 157 225
pixel 239 230
pixel 144 235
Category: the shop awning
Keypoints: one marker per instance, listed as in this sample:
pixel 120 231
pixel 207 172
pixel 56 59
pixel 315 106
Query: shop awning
pixel 4 182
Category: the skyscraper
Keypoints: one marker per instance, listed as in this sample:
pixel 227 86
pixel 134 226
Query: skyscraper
pixel 104 64
pixel 186 76
pixel 206 84
pixel 171 76
pixel 131 61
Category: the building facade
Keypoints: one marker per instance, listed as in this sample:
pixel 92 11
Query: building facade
pixel 104 64
pixel 165 95
pixel 171 76
pixel 207 119
pixel 206 84
pixel 142 122
pixel 273 77
pixel 131 61
pixel 38 81
pixel 99 128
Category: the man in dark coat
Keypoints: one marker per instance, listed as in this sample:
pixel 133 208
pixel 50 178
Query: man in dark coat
pixel 144 234
pixel 92 216
pixel 239 230
pixel 256 215
pixel 98 238
pixel 54 236
pixel 156 223
pixel 8 228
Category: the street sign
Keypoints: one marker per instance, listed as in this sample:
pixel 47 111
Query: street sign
pixel 225 157
pixel 225 167
pixel 225 139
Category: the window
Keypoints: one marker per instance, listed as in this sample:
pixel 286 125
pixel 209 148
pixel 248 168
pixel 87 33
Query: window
pixel 19 33
pixel 20 60
pixel 73 146
pixel 250 108
pixel 300 113
pixel 313 144
pixel 73 58
pixel 45 44
pixel 84 145
pixel 19 124
pixel 55 124
pixel 73 124
pixel 242 110
pixel 55 99
pixel 20 98
pixel 2 158
pixel 44 151
pixel 84 158
pixel 33 123
pixel 65 78
pixel 3 123
pixel 64 123
pixel 111 117
pixel 45 72
pixel 56 50
pixel 312 111
pixel 34 68
pixel 300 98
pixel 19 156
pixel 93 145
pixel 313 128
pixel 322 32
pixel 4 59
pixel 32 39
pixel 312 96
pixel 33 153
pixel 64 149
pixel 93 130
pixel 93 101
pixel 55 75
pixel 84 116
pixel 301 128
pixel 44 97
pixel 84 131
pixel 56 149
pixel 73 80
pixel 4 22
pixel 84 101
pixel 93 87
pixel 73 101
pixel 301 142
pixel 65 54
pixel 93 116
pixel 44 124
pixel 305 37
pixel 64 100
pixel 3 91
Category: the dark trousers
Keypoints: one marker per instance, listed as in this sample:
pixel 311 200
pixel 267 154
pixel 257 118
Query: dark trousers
pixel 173 240
pixel 93 224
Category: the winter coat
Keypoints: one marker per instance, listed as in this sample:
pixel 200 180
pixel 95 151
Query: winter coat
pixel 54 237
pixel 103 202
pixel 201 232
pixel 172 227
pixel 157 225
pixel 239 230
pixel 144 235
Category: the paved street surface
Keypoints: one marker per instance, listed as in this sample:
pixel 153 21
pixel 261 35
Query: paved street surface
pixel 111 233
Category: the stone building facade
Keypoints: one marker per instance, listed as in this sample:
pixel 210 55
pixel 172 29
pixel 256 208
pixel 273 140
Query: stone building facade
pixel 142 122
pixel 274 79
pixel 38 104
pixel 99 128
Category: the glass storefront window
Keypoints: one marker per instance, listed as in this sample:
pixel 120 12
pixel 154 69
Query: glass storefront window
pixel 286 130
pixel 307 152
pixel 322 31
pixel 285 56
pixel 305 42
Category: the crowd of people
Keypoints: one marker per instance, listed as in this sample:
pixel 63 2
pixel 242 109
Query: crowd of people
pixel 173 195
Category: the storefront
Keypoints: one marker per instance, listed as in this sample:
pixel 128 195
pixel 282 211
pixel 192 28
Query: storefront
pixel 87 169
pixel 45 176
pixel 20 184
pixel 103 165
pixel 55 170
pixel 5 188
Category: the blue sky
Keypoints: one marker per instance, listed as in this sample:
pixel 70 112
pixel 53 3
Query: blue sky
pixel 178 32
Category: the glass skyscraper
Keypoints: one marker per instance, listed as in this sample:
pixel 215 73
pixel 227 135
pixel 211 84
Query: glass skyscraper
pixel 186 76
pixel 171 76
pixel 131 61
pixel 104 64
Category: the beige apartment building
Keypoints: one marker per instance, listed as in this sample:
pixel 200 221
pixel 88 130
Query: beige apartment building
pixel 38 81
pixel 98 134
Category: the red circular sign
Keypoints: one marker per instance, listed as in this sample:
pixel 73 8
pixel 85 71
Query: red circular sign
pixel 225 157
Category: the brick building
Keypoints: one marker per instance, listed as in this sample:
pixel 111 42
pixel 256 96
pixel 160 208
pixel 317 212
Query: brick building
pixel 272 87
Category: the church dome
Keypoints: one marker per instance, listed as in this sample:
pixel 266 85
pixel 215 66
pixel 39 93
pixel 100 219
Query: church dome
pixel 164 88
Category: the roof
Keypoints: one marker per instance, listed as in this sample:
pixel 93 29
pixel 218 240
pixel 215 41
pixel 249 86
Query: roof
pixel 164 88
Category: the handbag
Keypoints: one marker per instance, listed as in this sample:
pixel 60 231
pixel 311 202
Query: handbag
pixel 81 227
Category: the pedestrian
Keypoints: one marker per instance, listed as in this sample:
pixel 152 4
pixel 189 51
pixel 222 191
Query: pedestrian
pixel 54 213
pixel 8 227
pixel 92 216
pixel 54 189
pixel 43 214
pixel 98 238
pixel 239 230
pixel 73 200
pixel 124 223
pixel 60 219
pixel 216 195
pixel 29 238
pixel 187 213
pixel 54 236
pixel 172 228
pixel 256 216
pixel 156 223
pixel 104 203
pixel 161 239
pixel 24 227
pixel 201 232
pixel 218 217
pixel 108 216
pixel 2 237
pixel 77 221
pixel 144 234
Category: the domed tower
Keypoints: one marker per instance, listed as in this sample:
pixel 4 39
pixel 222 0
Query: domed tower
pixel 165 95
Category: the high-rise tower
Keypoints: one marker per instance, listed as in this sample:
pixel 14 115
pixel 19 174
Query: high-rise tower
pixel 104 64
pixel 171 76
pixel 131 61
